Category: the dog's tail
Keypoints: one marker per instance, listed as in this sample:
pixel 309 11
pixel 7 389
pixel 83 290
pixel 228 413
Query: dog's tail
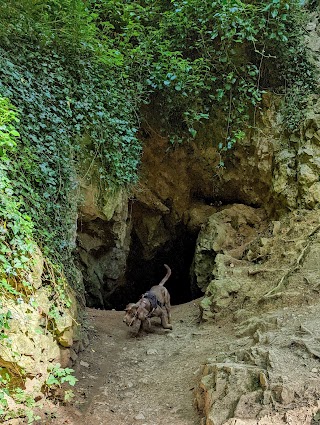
pixel 166 276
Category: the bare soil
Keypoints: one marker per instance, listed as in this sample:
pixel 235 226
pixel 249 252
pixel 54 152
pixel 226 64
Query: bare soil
pixel 153 378
pixel 147 379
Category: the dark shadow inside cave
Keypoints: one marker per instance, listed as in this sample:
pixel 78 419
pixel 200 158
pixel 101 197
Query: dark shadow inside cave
pixel 113 277
pixel 141 274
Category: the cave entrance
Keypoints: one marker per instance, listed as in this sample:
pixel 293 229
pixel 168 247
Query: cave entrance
pixel 116 273
pixel 142 273
pixel 178 254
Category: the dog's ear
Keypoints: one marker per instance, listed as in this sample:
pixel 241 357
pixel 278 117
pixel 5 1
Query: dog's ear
pixel 130 307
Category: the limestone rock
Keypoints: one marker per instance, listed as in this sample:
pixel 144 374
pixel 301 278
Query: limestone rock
pixel 205 309
pixel 227 231
pixel 42 299
pixel 28 346
pixel 145 196
pixel 63 321
pixel 152 233
pixel 113 202
pixel 64 357
pixel 198 216
pixel 307 176
pixel 226 390
pixel 66 338
pixel 103 240
pixel 315 193
pixel 139 417
pixel 36 268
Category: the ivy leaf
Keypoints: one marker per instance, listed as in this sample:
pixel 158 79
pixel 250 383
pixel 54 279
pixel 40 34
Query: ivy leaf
pixel 192 131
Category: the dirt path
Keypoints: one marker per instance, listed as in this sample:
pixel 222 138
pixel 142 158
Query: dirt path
pixel 147 380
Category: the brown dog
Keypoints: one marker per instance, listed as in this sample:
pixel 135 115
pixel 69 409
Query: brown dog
pixel 154 303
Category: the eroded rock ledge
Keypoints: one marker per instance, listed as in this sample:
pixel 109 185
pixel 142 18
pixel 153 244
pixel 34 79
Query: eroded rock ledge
pixel 272 380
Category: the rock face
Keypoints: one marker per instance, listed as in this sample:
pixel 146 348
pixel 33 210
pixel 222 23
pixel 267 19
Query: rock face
pixel 277 262
pixel 269 378
pixel 31 348
pixel 41 327
pixel 103 242
pixel 124 240
pixel 228 390
pixel 308 159
pixel 224 239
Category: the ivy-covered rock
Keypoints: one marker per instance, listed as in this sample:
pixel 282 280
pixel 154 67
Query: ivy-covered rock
pixel 29 347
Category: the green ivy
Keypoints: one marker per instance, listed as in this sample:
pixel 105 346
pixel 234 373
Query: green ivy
pixel 16 229
pixel 59 104
pixel 59 375
pixel 198 58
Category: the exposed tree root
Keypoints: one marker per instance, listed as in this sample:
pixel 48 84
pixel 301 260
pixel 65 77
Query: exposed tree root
pixel 294 267
pixel 254 272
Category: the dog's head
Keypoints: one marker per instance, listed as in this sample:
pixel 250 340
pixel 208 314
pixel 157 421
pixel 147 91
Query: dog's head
pixel 131 318
pixel 135 312
pixel 131 314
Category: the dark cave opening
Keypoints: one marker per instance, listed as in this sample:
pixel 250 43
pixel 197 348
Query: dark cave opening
pixel 116 274
pixel 143 273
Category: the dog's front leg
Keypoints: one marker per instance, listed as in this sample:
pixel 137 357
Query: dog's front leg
pixel 164 321
pixel 168 308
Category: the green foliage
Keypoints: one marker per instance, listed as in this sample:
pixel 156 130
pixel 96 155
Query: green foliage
pixel 4 381
pixel 16 245
pixel 108 57
pixel 16 250
pixel 63 94
pixel 65 22
pixel 4 323
pixel 198 58
pixel 20 396
pixel 59 376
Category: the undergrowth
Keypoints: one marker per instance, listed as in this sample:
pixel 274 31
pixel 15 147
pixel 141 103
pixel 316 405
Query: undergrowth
pixel 198 59
pixel 18 252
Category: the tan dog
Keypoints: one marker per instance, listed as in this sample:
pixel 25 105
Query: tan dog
pixel 154 303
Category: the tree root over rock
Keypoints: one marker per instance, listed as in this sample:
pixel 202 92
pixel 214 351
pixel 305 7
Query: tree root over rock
pixel 277 290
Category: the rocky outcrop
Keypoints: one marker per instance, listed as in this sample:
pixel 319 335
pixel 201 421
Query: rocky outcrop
pixel 308 159
pixel 30 348
pixel 224 239
pixel 277 262
pixel 228 390
pixel 103 242
pixel 268 169
pixel 270 378
pixel 40 326
pixel 180 189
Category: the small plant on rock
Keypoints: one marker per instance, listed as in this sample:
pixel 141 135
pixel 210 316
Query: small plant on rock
pixel 59 376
